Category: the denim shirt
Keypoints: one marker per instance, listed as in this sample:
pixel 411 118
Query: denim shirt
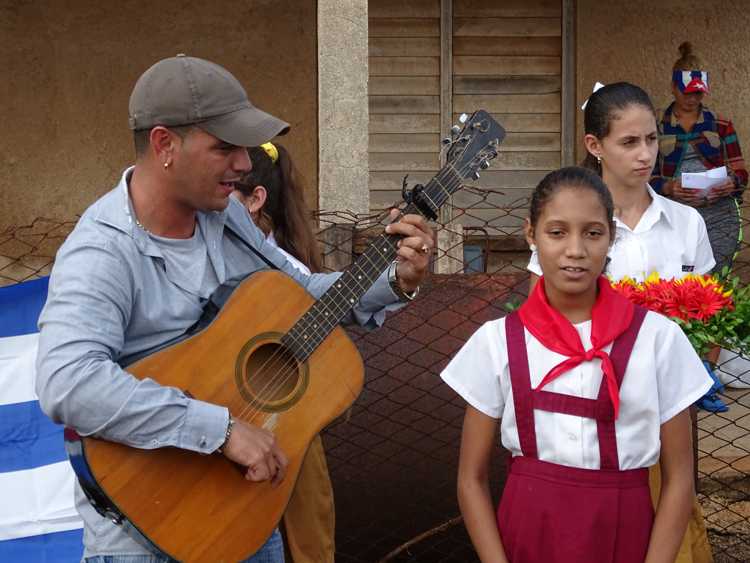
pixel 112 297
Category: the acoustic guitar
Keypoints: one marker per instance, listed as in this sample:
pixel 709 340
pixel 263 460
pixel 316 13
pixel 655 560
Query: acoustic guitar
pixel 276 358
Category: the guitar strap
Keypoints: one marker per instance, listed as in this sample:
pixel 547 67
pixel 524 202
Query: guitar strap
pixel 257 252
pixel 210 308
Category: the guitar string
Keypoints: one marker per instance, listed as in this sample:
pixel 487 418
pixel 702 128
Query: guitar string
pixel 272 363
pixel 290 364
pixel 318 314
pixel 279 361
pixel 275 384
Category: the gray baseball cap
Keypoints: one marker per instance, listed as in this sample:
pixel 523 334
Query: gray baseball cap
pixel 185 90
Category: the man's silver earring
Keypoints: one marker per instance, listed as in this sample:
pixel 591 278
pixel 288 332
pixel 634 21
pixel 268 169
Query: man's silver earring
pixel 166 164
pixel 599 159
pixel 532 247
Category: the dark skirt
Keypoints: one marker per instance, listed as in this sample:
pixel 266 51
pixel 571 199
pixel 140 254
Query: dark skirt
pixel 724 230
pixel 555 514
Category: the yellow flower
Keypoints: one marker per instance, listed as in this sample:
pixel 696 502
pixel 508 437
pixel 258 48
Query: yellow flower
pixel 628 281
pixel 653 277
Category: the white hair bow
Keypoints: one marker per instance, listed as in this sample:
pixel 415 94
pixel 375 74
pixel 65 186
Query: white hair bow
pixel 596 87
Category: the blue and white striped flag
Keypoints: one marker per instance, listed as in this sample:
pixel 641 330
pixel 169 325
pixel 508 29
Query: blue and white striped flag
pixel 38 519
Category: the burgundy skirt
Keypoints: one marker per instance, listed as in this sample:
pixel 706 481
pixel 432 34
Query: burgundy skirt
pixel 555 514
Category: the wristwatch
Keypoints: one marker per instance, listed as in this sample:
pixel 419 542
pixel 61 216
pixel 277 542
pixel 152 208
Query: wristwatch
pixel 396 287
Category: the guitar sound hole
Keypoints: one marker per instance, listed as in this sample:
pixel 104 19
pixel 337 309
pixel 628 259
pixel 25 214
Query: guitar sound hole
pixel 271 373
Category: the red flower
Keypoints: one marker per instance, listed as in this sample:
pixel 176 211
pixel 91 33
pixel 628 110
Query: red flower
pixel 690 298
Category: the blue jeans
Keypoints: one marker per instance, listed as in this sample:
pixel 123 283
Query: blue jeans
pixel 271 552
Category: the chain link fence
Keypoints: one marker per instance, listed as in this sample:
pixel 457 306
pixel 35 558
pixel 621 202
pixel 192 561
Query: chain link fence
pixel 393 456
pixel 28 252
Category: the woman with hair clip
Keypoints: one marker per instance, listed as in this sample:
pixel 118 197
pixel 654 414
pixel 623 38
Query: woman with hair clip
pixel 276 205
pixel 652 233
pixel 692 138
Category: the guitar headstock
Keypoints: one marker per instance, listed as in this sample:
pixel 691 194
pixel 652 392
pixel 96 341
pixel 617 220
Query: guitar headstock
pixel 470 149
pixel 474 144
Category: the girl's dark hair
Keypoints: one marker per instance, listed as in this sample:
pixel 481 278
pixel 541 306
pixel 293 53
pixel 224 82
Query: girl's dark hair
pixel 285 213
pixel 602 108
pixel 571 177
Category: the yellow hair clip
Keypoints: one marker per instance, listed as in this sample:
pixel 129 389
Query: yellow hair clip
pixel 271 151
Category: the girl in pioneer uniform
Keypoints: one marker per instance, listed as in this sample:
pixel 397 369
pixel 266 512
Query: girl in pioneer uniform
pixel 652 233
pixel 571 378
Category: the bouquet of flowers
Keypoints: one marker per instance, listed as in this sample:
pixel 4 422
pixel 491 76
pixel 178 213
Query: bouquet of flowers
pixel 711 311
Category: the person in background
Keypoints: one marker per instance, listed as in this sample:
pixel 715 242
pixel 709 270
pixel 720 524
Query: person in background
pixel 275 201
pixel 652 233
pixel 692 138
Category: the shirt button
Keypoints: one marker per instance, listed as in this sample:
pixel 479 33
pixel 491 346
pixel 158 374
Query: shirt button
pixel 203 442
pixel 572 437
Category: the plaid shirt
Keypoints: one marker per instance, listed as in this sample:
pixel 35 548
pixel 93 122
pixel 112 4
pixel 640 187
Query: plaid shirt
pixel 714 140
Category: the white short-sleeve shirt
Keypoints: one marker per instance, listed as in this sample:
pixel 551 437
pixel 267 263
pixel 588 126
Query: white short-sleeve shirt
pixel 670 239
pixel 663 378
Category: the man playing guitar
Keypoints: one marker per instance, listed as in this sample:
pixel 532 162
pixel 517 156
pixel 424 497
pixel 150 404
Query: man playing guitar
pixel 146 259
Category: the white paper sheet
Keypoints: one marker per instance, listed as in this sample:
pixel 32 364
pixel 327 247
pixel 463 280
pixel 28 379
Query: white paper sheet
pixel 704 180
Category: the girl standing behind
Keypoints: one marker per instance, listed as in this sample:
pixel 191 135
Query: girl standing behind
pixel 652 233
pixel 692 138
pixel 571 376
pixel 276 205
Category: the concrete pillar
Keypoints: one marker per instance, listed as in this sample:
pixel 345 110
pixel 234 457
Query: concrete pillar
pixel 343 114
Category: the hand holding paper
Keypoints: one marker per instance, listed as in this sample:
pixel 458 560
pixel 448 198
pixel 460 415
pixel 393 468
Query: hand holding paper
pixel 704 180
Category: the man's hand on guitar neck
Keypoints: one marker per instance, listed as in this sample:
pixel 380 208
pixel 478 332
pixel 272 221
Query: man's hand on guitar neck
pixel 256 449
pixel 414 249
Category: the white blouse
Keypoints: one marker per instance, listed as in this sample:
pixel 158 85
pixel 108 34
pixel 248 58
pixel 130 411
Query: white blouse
pixel 291 259
pixel 670 238
pixel 663 378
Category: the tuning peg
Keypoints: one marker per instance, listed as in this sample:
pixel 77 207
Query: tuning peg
pixel 475 175
pixel 446 141
pixel 463 118
pixel 455 130
pixel 484 164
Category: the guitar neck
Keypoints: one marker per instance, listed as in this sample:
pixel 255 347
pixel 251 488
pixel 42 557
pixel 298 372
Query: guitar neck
pixel 320 320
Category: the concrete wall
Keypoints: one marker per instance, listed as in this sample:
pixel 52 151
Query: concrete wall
pixel 636 41
pixel 69 66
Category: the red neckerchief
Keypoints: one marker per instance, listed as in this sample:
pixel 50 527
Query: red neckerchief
pixel 610 317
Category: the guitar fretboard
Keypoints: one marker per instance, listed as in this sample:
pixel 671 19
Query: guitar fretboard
pixel 322 317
